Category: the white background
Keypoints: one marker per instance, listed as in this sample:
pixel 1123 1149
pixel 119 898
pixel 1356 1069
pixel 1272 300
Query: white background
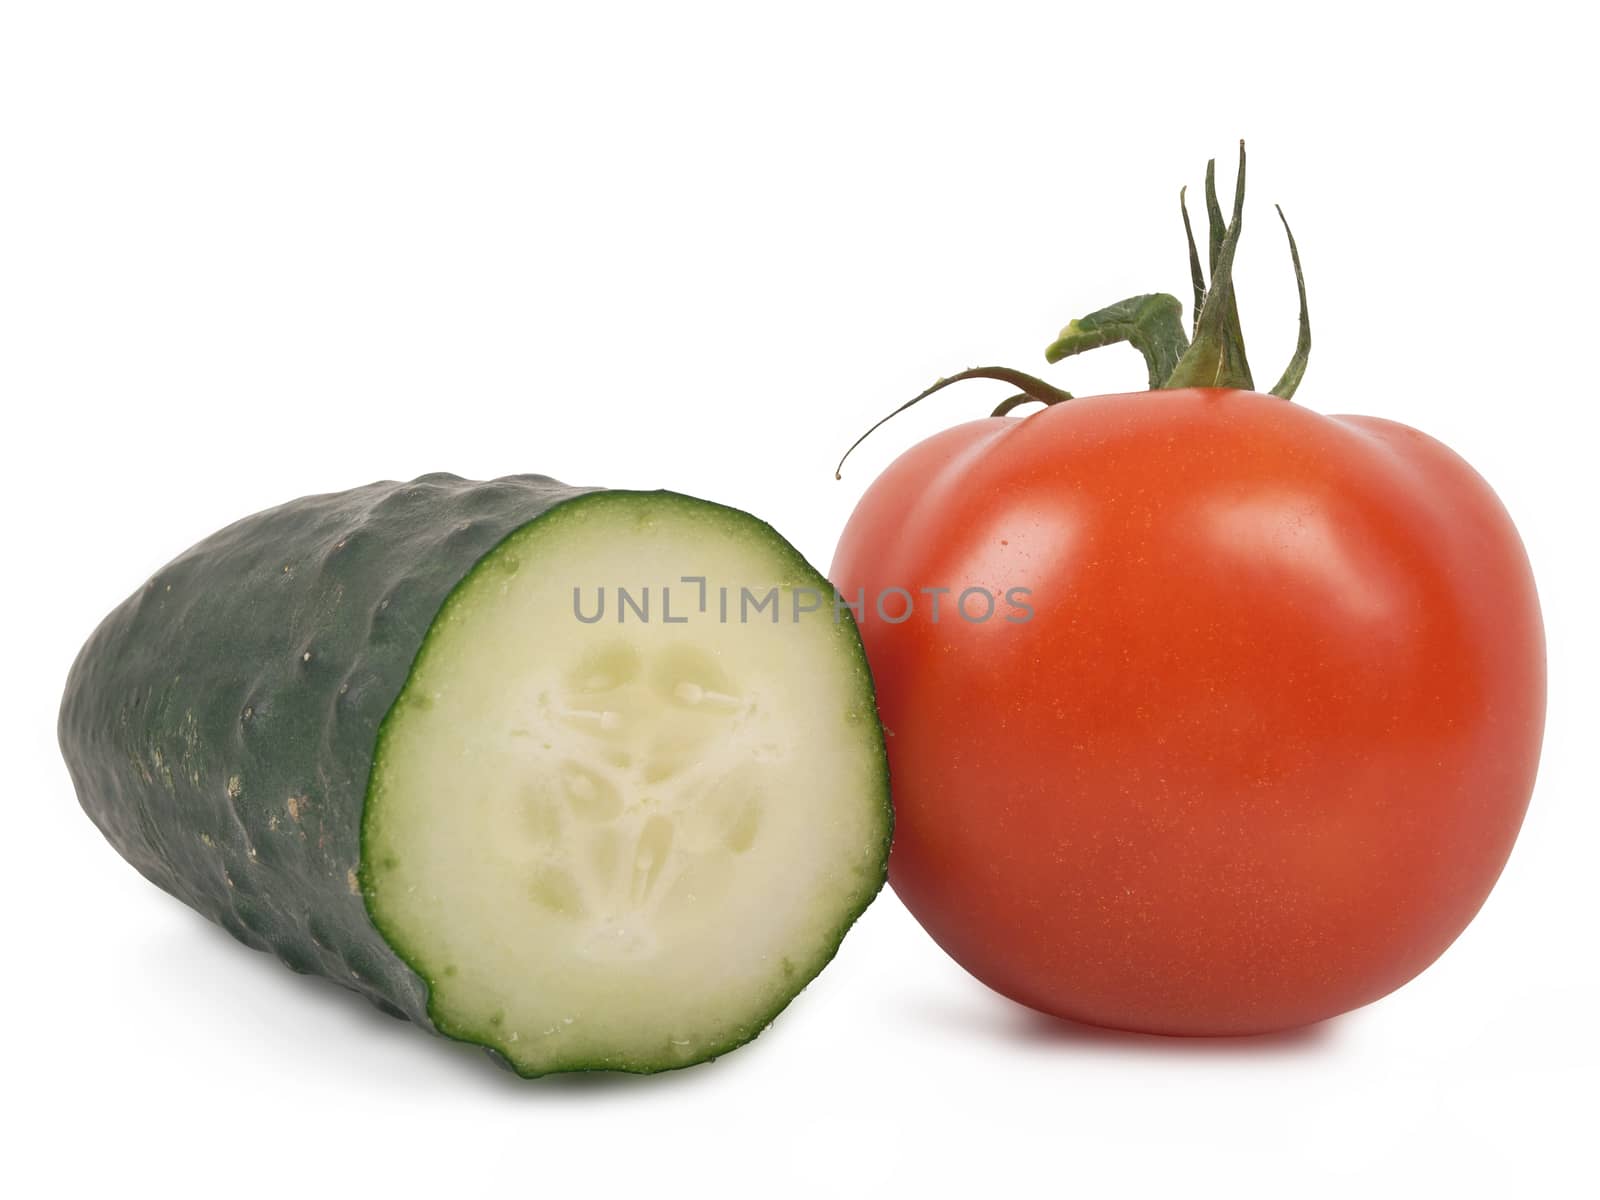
pixel 255 251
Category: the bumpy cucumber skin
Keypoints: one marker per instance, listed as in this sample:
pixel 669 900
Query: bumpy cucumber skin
pixel 220 726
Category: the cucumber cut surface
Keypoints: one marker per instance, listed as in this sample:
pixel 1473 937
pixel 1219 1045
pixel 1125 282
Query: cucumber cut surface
pixel 384 735
pixel 625 843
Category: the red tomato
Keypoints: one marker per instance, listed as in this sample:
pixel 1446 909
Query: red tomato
pixel 1265 743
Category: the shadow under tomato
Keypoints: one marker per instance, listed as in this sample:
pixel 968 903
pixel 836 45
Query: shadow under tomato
pixel 999 1018
pixel 1045 1029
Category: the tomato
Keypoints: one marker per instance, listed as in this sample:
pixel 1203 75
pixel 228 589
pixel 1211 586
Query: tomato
pixel 1263 745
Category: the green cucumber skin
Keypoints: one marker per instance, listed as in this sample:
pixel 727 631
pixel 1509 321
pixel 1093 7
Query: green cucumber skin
pixel 220 725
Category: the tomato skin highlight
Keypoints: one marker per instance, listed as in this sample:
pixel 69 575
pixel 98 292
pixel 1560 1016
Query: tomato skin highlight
pixel 1265 744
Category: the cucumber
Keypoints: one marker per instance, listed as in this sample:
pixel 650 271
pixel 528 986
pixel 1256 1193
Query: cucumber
pixel 382 735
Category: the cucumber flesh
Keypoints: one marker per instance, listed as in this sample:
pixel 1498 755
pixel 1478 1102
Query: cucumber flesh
pixel 625 844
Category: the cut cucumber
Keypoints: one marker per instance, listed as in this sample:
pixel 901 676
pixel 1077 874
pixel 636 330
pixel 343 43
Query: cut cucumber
pixel 382 735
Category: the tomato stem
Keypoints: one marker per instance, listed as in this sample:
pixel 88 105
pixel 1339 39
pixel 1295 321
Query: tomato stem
pixel 1233 331
pixel 1295 371
pixel 1196 273
pixel 1032 390
pixel 1152 325
pixel 1214 356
